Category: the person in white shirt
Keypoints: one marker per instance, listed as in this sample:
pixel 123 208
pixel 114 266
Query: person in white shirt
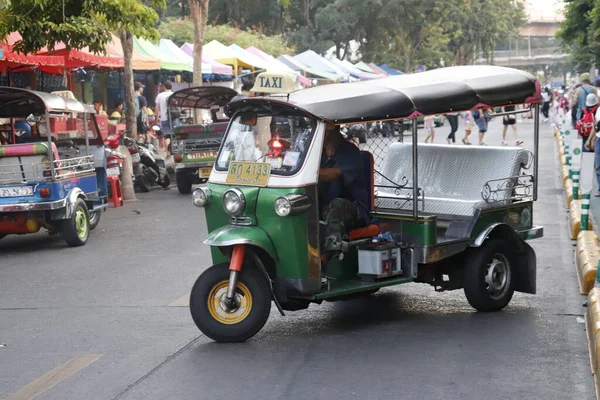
pixel 162 110
pixel 592 142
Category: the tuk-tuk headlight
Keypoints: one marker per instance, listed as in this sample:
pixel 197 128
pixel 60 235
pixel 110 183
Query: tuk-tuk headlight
pixel 200 196
pixel 283 206
pixel 234 202
pixel 292 204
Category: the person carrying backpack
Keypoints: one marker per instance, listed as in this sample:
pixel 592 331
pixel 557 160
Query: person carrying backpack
pixel 581 95
pixel 587 124
pixel 592 141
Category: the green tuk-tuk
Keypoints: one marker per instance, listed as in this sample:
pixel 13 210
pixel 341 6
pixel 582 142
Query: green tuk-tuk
pixel 454 217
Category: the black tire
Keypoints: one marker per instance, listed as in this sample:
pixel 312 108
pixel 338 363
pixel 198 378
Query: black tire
pixel 489 275
pixel 184 182
pixel 250 279
pixel 166 181
pixel 94 219
pixel 142 183
pixel 69 227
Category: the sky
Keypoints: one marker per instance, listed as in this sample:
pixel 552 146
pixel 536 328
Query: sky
pixel 544 9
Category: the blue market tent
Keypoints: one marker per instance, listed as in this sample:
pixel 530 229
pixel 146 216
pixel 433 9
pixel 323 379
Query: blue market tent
pixel 315 61
pixel 351 70
pixel 304 69
pixel 390 70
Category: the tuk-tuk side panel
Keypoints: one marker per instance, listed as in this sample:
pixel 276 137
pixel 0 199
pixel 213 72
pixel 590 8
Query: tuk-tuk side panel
pixel 518 216
pixel 58 191
pixel 419 232
pixel 289 234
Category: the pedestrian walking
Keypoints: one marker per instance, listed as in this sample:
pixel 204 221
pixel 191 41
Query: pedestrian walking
pixel 161 111
pixel 580 95
pixel 510 120
pixel 141 109
pixel 547 99
pixel 453 120
pixel 429 122
pixel 586 126
pixel 481 118
pixel 468 120
pixel 591 144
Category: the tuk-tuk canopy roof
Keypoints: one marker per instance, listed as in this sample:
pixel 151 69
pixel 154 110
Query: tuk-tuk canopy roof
pixel 437 91
pixel 202 97
pixel 20 103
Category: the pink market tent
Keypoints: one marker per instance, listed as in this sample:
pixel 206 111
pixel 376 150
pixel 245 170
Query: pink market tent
pixel 277 65
pixel 217 67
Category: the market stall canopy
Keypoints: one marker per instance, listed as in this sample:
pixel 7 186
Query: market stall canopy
pixel 365 68
pixel 140 61
pixel 167 46
pixel 375 68
pixel 301 67
pixel 13 60
pixel 390 70
pixel 166 61
pixel 257 62
pixel 351 70
pixel 437 91
pixel 217 67
pixel 225 55
pixel 84 57
pixel 274 65
pixel 315 61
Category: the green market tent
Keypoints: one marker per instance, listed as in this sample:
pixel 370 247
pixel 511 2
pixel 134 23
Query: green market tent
pixel 166 61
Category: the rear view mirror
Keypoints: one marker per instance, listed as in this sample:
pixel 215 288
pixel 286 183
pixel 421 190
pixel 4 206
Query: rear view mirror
pixel 248 119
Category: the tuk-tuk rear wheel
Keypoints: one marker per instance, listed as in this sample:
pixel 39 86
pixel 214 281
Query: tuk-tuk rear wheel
pixel 489 279
pixel 95 219
pixel 220 322
pixel 76 230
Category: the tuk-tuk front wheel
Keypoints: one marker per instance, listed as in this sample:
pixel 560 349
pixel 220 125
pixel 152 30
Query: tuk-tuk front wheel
pixel 76 230
pixel 489 280
pixel 222 321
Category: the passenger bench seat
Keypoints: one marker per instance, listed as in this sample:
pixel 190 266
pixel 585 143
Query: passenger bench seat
pixel 373 229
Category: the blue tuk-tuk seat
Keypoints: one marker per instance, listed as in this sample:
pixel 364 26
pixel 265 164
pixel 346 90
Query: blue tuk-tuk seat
pixel 369 178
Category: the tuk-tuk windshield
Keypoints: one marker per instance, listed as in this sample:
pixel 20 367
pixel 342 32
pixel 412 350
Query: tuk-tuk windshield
pixel 280 140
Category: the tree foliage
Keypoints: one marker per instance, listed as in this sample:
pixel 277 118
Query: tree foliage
pixel 580 32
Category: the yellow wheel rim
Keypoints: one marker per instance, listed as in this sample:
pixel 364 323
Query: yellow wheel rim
pixel 220 313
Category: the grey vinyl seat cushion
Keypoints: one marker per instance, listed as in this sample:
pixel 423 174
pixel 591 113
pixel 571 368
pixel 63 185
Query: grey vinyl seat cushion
pixel 452 177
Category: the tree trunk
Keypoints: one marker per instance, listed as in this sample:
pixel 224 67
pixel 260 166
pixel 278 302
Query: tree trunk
pixel 127 43
pixel 199 14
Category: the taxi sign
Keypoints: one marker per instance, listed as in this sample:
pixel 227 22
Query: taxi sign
pixel 248 174
pixel 64 93
pixel 270 82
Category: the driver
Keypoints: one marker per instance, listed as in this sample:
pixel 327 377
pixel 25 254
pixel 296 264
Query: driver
pixel 343 197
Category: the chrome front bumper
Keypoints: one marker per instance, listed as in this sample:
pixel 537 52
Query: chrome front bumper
pixel 194 165
pixel 42 206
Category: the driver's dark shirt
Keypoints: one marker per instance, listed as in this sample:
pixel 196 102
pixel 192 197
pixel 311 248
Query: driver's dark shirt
pixel 352 185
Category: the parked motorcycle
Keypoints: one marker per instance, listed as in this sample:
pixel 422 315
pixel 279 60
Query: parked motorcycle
pixel 148 166
pixel 114 159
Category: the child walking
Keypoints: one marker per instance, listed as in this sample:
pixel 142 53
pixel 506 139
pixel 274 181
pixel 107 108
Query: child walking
pixel 468 119
pixel 429 127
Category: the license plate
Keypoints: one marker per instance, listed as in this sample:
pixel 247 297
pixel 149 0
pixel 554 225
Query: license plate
pixel 115 171
pixel 205 172
pixel 248 174
pixel 135 157
pixel 16 191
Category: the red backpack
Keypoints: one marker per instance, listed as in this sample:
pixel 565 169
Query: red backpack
pixel 585 126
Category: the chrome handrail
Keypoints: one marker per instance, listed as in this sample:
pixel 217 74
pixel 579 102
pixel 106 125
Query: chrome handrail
pixel 22 173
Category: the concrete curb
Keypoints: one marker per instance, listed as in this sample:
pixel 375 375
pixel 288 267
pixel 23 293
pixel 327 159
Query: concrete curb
pixel 586 257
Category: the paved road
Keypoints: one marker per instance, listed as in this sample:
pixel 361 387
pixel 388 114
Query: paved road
pixel 111 308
